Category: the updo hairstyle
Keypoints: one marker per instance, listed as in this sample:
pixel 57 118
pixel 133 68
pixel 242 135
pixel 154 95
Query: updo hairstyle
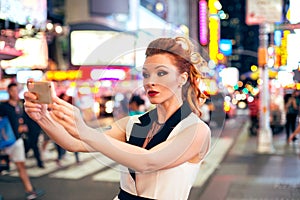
pixel 186 60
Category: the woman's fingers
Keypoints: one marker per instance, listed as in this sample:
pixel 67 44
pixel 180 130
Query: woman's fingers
pixel 63 103
pixel 30 104
pixel 62 110
pixel 32 107
pixel 65 120
pixel 28 96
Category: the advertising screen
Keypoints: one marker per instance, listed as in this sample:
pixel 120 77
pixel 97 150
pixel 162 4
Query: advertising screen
pixel 97 47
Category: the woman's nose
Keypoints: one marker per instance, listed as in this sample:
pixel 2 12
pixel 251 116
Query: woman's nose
pixel 151 80
pixel 149 84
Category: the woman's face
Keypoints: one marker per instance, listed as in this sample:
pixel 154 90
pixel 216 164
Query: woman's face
pixel 161 79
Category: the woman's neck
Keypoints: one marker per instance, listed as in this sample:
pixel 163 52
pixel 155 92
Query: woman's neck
pixel 166 110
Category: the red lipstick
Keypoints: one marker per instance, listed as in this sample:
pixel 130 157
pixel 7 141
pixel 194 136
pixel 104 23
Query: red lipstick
pixel 152 93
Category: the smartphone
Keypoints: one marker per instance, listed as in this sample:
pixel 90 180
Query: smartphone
pixel 42 90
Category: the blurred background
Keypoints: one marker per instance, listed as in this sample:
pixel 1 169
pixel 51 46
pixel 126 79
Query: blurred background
pixel 93 49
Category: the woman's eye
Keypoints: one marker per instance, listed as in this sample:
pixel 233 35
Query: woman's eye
pixel 145 75
pixel 162 73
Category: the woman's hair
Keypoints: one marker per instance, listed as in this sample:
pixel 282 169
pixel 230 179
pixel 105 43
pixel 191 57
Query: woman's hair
pixel 181 49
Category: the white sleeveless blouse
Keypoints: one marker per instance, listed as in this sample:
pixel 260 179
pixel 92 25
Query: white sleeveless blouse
pixel 174 183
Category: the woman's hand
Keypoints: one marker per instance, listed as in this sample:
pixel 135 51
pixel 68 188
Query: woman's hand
pixel 68 116
pixel 34 110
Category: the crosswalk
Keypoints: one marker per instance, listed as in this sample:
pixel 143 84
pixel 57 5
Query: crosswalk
pixel 101 168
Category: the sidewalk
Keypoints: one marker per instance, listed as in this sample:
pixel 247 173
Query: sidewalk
pixel 244 174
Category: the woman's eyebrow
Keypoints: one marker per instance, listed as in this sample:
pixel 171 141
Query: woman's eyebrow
pixel 156 67
pixel 160 66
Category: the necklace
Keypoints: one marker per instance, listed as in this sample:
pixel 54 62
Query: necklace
pixel 161 124
pixel 156 126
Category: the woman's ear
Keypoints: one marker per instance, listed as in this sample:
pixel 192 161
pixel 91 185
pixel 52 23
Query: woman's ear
pixel 183 78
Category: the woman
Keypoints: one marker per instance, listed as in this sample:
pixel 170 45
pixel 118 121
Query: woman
pixel 160 151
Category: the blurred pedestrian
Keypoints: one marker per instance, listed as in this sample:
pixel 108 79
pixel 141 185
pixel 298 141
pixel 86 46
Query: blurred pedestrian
pixel 33 135
pixel 292 110
pixel 13 110
pixel 253 106
pixel 211 106
pixel 294 134
pixel 44 147
pixel 136 105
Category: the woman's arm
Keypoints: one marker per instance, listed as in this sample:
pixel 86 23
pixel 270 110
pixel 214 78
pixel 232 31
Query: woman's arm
pixel 58 134
pixel 40 113
pixel 181 148
pixel 192 141
pixel 74 135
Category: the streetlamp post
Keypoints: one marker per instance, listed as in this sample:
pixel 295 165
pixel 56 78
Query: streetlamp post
pixel 265 137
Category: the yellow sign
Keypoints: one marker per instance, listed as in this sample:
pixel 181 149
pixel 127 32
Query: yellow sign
pixel 63 75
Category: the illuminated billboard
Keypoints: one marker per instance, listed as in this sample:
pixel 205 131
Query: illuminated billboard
pixel 99 47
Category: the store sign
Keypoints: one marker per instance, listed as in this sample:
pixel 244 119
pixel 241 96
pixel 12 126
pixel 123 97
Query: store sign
pixel 214 32
pixel 63 75
pixel 263 11
pixel 203 29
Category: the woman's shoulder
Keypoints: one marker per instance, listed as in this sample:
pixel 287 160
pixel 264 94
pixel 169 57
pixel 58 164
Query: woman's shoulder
pixel 194 122
pixel 194 118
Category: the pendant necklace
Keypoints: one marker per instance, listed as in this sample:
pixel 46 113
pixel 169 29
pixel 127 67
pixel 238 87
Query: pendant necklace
pixel 156 126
